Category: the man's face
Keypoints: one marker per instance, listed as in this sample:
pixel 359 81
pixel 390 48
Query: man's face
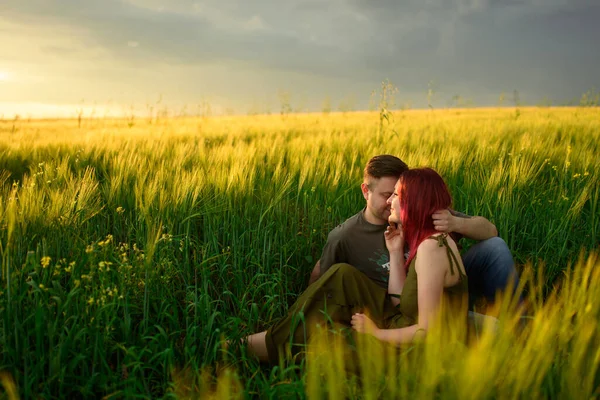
pixel 394 202
pixel 377 194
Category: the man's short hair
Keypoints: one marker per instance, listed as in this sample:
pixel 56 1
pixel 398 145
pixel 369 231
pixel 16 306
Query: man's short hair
pixel 384 165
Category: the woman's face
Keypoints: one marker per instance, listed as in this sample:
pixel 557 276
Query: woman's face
pixel 394 202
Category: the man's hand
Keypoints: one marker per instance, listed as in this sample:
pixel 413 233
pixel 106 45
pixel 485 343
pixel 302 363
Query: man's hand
pixel 363 324
pixel 444 221
pixel 476 228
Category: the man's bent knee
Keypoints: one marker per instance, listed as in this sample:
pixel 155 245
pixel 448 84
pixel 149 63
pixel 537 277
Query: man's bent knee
pixel 490 267
pixel 494 244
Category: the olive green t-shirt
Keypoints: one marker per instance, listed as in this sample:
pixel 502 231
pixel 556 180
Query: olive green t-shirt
pixel 362 245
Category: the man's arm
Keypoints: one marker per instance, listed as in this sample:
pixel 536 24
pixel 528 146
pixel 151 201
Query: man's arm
pixel 332 253
pixel 476 228
pixel 316 273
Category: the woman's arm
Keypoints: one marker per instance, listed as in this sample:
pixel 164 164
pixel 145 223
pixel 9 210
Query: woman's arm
pixel 397 276
pixel 431 267
pixel 394 241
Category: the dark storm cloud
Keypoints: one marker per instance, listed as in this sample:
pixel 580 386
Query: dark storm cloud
pixel 547 52
pixel 326 38
pixel 189 37
pixel 542 47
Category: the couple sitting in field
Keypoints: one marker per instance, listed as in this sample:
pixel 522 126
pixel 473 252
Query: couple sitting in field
pixel 398 261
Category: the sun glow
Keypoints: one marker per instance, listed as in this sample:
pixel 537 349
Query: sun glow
pixel 4 76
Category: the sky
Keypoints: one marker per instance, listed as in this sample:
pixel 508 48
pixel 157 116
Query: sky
pixel 109 57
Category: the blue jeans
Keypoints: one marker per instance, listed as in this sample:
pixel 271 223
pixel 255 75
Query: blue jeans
pixel 490 268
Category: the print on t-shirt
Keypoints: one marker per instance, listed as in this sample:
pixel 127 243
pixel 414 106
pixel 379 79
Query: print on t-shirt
pixel 382 259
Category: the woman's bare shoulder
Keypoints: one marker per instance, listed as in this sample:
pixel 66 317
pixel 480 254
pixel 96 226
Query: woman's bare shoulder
pixel 434 242
pixel 431 253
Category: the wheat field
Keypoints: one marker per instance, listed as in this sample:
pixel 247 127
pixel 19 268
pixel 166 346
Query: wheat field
pixel 131 249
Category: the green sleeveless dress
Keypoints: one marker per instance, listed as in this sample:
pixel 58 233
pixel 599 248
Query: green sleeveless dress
pixel 343 291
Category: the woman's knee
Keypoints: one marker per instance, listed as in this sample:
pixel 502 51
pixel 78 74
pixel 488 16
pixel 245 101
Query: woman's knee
pixel 343 268
pixel 345 272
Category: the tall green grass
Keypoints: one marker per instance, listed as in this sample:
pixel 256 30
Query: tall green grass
pixel 554 354
pixel 129 252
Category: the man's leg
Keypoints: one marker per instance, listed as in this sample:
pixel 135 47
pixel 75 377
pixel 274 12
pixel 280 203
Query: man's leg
pixel 490 268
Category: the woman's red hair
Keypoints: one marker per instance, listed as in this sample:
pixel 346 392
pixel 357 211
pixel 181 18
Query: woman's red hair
pixel 421 192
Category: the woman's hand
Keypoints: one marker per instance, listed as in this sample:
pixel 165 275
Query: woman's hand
pixel 363 324
pixel 394 238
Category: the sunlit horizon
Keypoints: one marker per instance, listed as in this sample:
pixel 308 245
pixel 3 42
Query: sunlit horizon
pixel 94 110
pixel 259 58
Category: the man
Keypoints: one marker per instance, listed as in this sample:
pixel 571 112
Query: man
pixel 359 241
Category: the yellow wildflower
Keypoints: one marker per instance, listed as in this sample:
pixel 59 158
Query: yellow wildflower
pixel 108 240
pixel 70 267
pixel 45 261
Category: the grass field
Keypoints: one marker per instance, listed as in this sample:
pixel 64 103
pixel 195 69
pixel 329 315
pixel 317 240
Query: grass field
pixel 129 248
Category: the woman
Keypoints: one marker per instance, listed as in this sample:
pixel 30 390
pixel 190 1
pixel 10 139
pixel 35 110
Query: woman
pixel 432 274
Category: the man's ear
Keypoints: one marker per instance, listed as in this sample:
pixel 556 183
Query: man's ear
pixel 365 190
